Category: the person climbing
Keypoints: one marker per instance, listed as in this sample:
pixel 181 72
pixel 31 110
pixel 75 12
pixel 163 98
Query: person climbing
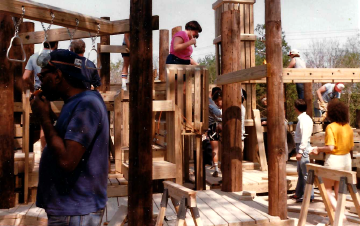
pixel 297 62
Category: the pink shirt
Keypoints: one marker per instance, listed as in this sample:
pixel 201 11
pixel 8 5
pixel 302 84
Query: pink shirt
pixel 186 53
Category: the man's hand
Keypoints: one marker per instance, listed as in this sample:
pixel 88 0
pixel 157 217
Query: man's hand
pixel 298 156
pixel 314 151
pixel 40 106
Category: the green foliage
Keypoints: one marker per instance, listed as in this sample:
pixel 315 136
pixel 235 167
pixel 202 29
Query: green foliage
pixel 115 72
pixel 210 63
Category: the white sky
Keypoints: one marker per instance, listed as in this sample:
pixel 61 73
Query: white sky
pixel 302 20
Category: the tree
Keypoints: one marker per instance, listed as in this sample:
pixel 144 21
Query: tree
pixel 210 63
pixel 115 72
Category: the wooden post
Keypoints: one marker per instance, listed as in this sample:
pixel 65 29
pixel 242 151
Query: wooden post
pixel 7 179
pixel 276 117
pixel 163 53
pixel 308 98
pixel 141 86
pixel 105 63
pixel 231 143
pixel 175 30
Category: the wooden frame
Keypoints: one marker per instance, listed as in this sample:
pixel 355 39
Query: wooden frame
pixel 221 2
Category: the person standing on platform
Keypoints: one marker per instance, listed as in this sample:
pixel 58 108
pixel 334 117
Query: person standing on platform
pixel 339 142
pixel 303 132
pixel 78 46
pixel 324 95
pixel 126 63
pixel 297 62
pixel 181 45
pixel 73 170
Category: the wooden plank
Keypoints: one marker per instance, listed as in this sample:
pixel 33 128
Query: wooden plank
pixel 178 144
pixel 180 88
pixel 341 201
pixel 325 198
pixel 260 140
pixel 208 214
pixel 243 75
pixel 205 101
pixel 113 49
pixel 26 141
pixel 178 192
pixel 219 3
pixel 163 53
pixel 163 105
pixel 117 190
pixel 117 132
pixel 120 217
pixel 325 172
pixel 170 116
pixel 355 197
pixel 188 99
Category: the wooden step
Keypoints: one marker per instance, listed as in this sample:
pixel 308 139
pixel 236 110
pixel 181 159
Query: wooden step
pixel 161 170
pixel 158 153
pixel 250 165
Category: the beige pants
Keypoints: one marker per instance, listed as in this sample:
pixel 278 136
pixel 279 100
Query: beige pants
pixel 338 162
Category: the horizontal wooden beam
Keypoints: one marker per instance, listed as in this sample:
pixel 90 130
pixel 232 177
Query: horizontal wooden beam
pixel 163 105
pixel 253 73
pixel 61 34
pixel 178 192
pixel 243 37
pixel 41 12
pixel 221 2
pixel 113 49
pixel 325 172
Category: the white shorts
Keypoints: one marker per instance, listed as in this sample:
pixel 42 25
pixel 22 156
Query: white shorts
pixel 338 162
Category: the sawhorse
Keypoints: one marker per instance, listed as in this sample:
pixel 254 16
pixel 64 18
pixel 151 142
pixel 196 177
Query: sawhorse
pixel 188 200
pixel 347 182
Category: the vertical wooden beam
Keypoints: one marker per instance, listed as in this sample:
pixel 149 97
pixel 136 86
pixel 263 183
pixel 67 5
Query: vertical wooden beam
pixel 141 86
pixel 175 30
pixel 26 136
pixel 276 117
pixel 308 98
pixel 231 142
pixel 117 132
pixel 105 63
pixel 163 53
pixel 7 180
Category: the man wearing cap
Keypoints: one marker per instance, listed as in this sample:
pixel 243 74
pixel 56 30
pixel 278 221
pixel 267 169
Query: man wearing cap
pixel 78 46
pixel 324 94
pixel 74 164
pixel 297 62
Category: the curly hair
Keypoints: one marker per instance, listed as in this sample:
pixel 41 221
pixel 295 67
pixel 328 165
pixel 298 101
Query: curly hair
pixel 338 112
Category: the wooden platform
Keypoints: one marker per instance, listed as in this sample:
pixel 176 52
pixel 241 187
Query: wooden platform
pixel 253 179
pixel 23 215
pixel 216 209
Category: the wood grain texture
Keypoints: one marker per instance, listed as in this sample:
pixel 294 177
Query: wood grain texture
pixel 163 53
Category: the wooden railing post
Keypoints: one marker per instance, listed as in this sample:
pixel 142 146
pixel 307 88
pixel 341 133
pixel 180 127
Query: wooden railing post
pixel 105 63
pixel 163 53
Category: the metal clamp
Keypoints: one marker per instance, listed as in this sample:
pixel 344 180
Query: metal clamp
pixel 16 36
pixel 93 40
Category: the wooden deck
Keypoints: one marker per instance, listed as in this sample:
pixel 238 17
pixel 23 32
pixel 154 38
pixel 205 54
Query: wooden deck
pixel 216 208
pixel 253 179
pixel 23 215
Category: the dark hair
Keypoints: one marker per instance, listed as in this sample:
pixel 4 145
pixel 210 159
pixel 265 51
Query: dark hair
pixel 52 44
pixel 301 105
pixel 78 46
pixel 217 95
pixel 243 96
pixel 193 26
pixel 214 90
pixel 338 112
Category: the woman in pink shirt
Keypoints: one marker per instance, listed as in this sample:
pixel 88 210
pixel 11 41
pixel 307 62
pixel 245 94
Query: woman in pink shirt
pixel 181 44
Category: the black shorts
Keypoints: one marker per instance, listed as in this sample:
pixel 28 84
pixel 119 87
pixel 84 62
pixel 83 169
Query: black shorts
pixel 172 59
pixel 125 54
pixel 212 134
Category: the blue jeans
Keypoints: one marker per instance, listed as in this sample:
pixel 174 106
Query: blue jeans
pixel 91 219
pixel 302 173
pixel 317 112
pixel 300 90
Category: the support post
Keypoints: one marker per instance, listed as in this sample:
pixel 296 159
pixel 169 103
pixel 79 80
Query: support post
pixel 276 117
pixel 163 53
pixel 141 86
pixel 105 63
pixel 308 98
pixel 7 179
pixel 175 30
pixel 231 143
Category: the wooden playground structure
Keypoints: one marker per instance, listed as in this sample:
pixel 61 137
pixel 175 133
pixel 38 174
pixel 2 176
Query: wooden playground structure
pixel 172 114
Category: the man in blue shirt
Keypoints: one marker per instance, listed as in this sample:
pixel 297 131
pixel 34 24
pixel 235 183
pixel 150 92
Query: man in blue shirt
pixel 74 164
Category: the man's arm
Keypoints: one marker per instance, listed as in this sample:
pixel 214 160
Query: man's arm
pixel 27 79
pixel 292 63
pixel 319 93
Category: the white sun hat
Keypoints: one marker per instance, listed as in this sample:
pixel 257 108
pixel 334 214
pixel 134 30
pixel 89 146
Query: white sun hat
pixel 294 52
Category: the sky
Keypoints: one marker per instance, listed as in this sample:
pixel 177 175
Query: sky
pixel 303 21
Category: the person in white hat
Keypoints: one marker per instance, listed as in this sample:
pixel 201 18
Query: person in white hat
pixel 324 94
pixel 297 62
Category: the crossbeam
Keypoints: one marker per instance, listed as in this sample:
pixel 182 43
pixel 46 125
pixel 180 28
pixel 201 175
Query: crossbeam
pixel 325 172
pixel 243 37
pixel 41 12
pixel 243 75
pixel 113 49
pixel 61 34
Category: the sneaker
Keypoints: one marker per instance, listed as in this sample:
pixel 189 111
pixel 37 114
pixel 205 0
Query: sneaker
pixel 215 174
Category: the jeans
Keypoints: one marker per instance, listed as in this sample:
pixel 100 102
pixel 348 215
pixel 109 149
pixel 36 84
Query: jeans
pixel 302 173
pixel 317 112
pixel 91 219
pixel 300 90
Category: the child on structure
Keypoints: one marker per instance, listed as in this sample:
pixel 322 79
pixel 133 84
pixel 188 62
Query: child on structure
pixel 297 62
pixel 303 133
pixel 126 58
pixel 215 106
